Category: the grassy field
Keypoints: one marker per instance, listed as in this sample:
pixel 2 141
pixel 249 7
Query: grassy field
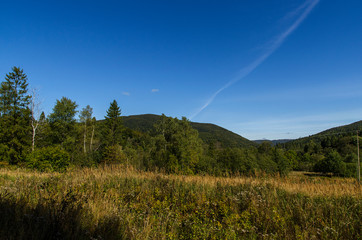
pixel 116 202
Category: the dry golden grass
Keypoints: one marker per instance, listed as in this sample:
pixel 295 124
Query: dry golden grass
pixel 296 182
pixel 153 205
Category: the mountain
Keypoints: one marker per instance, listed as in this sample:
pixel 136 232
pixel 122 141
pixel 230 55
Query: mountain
pixel 209 133
pixel 341 131
pixel 273 142
pixel 345 129
pixel 212 133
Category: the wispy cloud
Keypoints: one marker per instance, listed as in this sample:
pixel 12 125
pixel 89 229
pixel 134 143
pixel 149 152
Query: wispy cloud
pixel 155 90
pixel 126 93
pixel 342 89
pixel 340 116
pixel 303 11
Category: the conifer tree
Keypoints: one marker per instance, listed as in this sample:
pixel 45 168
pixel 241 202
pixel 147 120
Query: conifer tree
pixel 113 125
pixel 43 131
pixel 4 99
pixel 15 116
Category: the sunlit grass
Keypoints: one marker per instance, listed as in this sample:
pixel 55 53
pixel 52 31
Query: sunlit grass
pixel 116 202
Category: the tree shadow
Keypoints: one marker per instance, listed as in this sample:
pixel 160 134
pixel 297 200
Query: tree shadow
pixel 53 220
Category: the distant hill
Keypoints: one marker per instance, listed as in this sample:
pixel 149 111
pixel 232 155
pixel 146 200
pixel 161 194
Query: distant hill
pixel 209 133
pixel 345 130
pixel 212 133
pixel 273 142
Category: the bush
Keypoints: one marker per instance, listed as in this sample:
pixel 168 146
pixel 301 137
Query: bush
pixel 114 154
pixel 49 159
pixel 331 164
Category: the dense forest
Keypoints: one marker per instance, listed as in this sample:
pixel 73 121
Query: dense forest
pixel 209 133
pixel 71 136
pixel 330 151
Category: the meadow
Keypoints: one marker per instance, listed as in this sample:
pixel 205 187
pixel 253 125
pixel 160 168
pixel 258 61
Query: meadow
pixel 119 202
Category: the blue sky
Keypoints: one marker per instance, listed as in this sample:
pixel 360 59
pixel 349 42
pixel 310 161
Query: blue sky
pixel 260 68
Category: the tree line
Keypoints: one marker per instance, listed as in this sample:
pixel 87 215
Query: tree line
pixel 72 137
pixel 331 153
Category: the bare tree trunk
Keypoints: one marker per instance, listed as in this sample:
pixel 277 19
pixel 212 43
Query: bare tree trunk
pixel 91 140
pixel 35 114
pixel 85 136
pixel 34 125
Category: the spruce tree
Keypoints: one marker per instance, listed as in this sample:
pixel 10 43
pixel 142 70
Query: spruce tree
pixel 15 116
pixel 113 125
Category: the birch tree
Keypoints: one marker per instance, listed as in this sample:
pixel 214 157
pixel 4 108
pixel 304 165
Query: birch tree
pixel 35 110
pixel 93 123
pixel 85 118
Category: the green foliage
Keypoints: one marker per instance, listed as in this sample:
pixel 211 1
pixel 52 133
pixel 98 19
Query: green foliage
pixel 85 115
pixel 332 151
pixel 14 116
pixel 85 118
pixel 112 130
pixel 62 122
pixel 235 160
pixel 283 163
pixel 329 138
pixel 64 111
pixel 332 163
pixel 151 142
pixel 49 159
pixel 177 147
pixel 209 133
pixel 114 154
pixel 266 163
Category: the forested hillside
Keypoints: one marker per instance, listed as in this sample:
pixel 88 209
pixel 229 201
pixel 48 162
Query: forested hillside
pixel 209 133
pixel 72 136
pixel 273 142
pixel 333 150
pixel 162 177
pixel 332 133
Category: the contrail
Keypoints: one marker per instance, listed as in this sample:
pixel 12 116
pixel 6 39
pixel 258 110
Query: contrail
pixel 274 45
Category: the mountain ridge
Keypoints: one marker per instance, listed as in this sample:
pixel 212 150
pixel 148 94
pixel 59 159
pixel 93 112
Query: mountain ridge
pixel 208 132
pixel 344 130
pixel 273 142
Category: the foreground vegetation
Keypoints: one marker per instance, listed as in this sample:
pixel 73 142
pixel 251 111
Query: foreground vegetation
pixel 118 202
pixel 87 179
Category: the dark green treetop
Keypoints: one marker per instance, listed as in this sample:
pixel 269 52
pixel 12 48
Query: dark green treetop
pixel 113 124
pixel 178 147
pixel 17 89
pixel 64 111
pixel 62 121
pixel 15 116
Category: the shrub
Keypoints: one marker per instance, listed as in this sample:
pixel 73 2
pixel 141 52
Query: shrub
pixel 114 154
pixel 331 164
pixel 49 159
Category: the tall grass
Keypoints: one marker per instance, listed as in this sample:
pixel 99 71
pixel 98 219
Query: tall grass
pixel 116 202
